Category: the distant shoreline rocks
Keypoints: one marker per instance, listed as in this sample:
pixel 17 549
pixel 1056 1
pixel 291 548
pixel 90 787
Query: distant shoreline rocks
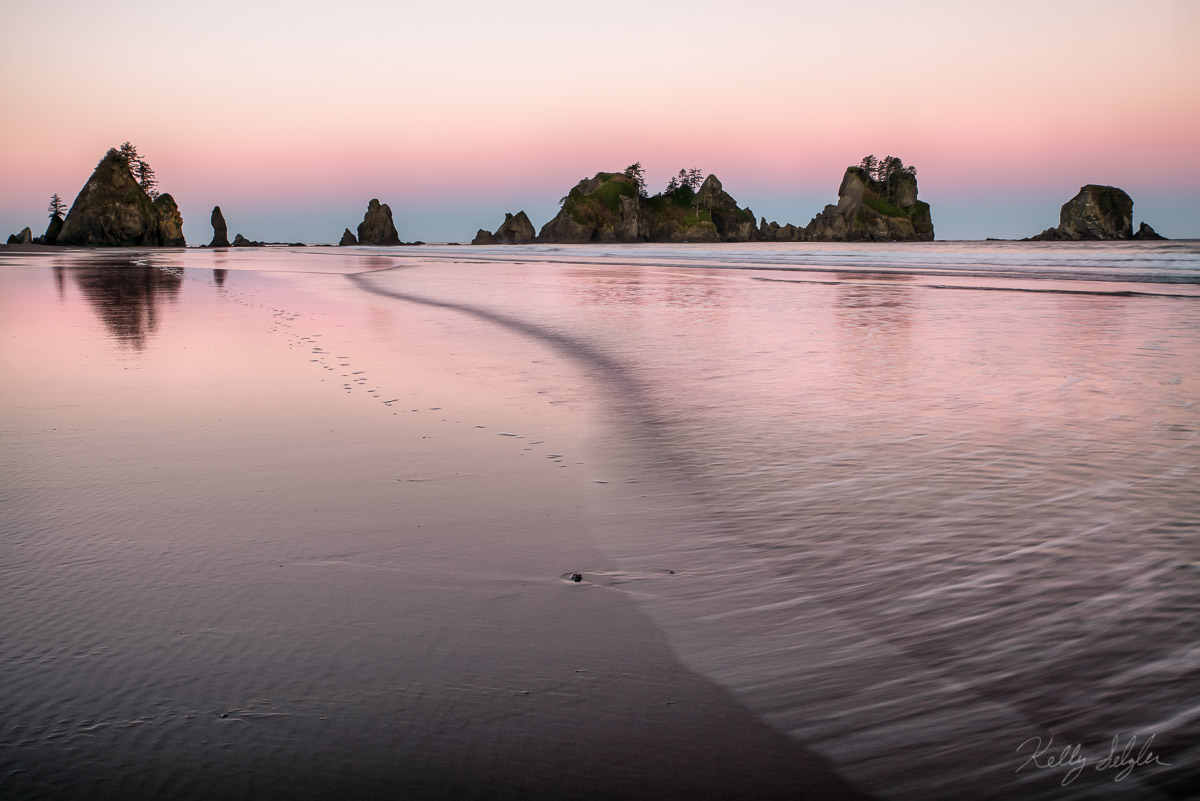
pixel 877 202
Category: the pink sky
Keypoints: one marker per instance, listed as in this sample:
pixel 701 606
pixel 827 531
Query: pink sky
pixel 292 115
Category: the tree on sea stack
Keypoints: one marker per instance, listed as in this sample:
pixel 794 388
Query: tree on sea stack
pixel 129 152
pixel 57 208
pixel 638 174
pixel 144 174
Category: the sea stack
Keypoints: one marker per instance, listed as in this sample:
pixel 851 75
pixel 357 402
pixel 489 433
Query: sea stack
pixel 484 237
pixel 873 208
pixel 609 208
pixel 220 229
pixel 515 230
pixel 348 238
pixel 112 210
pixel 25 237
pixel 170 222
pixel 1095 213
pixel 1146 232
pixel 377 227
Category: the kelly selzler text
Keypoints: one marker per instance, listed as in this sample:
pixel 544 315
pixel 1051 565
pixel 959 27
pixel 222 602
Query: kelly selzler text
pixel 1122 758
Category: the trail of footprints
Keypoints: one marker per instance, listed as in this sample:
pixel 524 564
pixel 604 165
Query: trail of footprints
pixel 282 323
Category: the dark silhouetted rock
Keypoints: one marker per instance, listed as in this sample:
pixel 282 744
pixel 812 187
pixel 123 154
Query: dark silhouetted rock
pixel 608 208
pixel 220 229
pixel 240 241
pixel 348 238
pixel 1096 213
pixel 170 222
pixel 1146 232
pixel 868 211
pixel 53 230
pixel 377 227
pixel 483 237
pixel 113 210
pixel 25 237
pixel 515 230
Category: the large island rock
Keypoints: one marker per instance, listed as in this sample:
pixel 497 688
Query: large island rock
pixel 1096 212
pixel 603 208
pixel 609 208
pixel 220 229
pixel 377 227
pixel 113 210
pixel 872 211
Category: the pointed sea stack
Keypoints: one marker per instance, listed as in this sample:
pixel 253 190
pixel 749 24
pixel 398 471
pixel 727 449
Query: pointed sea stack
pixel 25 237
pixel 348 238
pixel 220 229
pixel 1146 232
pixel 112 210
pixel 53 230
pixel 515 230
pixel 377 227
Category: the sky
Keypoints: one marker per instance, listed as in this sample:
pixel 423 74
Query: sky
pixel 291 115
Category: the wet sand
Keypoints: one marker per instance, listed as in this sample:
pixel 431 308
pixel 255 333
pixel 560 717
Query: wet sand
pixel 262 539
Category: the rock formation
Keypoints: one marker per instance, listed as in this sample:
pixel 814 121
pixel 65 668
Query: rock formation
pixel 1097 212
pixel 377 227
pixel 240 241
pixel 112 209
pixel 870 211
pixel 1146 232
pixel 25 237
pixel 483 237
pixel 515 230
pixel 170 222
pixel 220 229
pixel 348 238
pixel 608 208
pixel 774 232
pixel 53 230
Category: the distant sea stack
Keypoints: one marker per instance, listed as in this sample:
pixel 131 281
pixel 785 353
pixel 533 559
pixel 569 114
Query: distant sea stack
pixel 113 210
pixel 377 227
pixel 515 230
pixel 25 237
pixel 348 238
pixel 1096 213
pixel 220 229
pixel 877 202
pixel 610 207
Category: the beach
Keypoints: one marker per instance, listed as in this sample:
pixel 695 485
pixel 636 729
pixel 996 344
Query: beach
pixel 847 522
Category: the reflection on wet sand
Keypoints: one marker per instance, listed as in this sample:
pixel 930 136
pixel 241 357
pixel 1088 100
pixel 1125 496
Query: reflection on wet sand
pixel 127 296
